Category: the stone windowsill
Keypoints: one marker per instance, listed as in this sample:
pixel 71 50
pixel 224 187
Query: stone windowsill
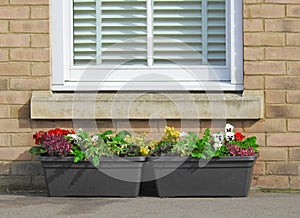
pixel 47 105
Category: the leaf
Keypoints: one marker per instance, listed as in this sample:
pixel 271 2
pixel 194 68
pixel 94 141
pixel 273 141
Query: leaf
pixel 95 161
pixel 123 134
pixel 37 150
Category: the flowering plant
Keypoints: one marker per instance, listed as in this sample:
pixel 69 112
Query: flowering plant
pixel 227 143
pixel 81 145
pixel 53 142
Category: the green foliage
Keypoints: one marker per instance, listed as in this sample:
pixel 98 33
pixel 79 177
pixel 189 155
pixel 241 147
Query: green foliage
pixel 246 143
pixel 93 147
pixel 37 150
pixel 202 147
pixel 77 153
pixel 185 146
pixel 222 151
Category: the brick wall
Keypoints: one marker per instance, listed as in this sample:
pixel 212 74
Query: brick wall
pixel 272 48
pixel 24 67
pixel 272 39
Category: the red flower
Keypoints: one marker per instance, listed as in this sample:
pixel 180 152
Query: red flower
pixel 239 136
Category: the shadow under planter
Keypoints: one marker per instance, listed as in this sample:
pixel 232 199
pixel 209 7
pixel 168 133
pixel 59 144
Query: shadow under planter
pixel 115 177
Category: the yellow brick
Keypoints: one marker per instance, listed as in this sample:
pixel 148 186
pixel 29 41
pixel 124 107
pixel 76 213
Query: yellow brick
pixel 293 39
pixel 39 12
pixel 24 139
pixel 30 54
pixel 4 140
pixel 282 82
pixel 14 97
pixel 284 53
pixel 264 39
pixel 285 25
pixel 253 53
pixel 293 97
pixel 14 40
pixel 20 112
pixel 253 25
pixel 293 10
pixel 295 182
pixel 10 154
pixel 293 68
pixel 282 168
pixel 4 111
pixel 283 139
pixel 3 2
pixel 40 69
pixel 29 2
pixel 11 68
pixel 271 182
pixel 3 84
pixel 4 26
pixel 264 11
pixel 294 126
pixel 253 82
pixel 3 54
pixel 265 126
pixel 40 41
pixel 30 84
pixel 282 1
pixel 29 26
pixel 19 12
pixel 284 111
pixel 252 1
pixel 275 97
pixel 273 154
pixel 5 168
pixel 259 168
pixel 264 68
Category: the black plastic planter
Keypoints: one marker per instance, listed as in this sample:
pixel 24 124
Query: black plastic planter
pixel 115 177
pixel 191 177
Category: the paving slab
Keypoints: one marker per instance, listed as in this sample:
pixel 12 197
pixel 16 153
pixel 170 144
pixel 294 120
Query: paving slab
pixel 256 205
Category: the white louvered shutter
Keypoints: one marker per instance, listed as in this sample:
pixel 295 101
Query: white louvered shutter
pixel 121 27
pixel 84 31
pixel 184 32
pixel 190 32
pixel 216 30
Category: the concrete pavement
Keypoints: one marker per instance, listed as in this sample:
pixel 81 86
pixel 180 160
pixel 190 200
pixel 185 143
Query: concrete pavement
pixel 256 205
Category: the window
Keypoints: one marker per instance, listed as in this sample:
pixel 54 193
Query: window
pixel 147 44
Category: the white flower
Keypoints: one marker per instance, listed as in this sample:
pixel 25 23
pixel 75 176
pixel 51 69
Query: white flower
pixel 229 128
pixel 183 134
pixel 229 136
pixel 73 136
pixel 95 138
pixel 218 137
pixel 217 145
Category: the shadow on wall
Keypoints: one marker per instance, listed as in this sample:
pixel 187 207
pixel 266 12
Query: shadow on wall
pixel 22 176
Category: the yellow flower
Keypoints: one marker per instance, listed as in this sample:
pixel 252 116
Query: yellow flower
pixel 144 151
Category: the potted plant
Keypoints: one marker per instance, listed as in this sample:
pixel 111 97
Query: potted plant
pixel 213 165
pixel 80 164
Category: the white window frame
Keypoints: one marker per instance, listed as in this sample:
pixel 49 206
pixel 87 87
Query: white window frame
pixel 66 77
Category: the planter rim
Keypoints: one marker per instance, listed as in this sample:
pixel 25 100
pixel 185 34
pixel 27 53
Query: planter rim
pixel 102 159
pixel 193 159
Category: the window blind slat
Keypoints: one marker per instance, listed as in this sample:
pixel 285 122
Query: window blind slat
pixel 177 32
pixel 119 41
pixel 216 19
pixel 84 33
